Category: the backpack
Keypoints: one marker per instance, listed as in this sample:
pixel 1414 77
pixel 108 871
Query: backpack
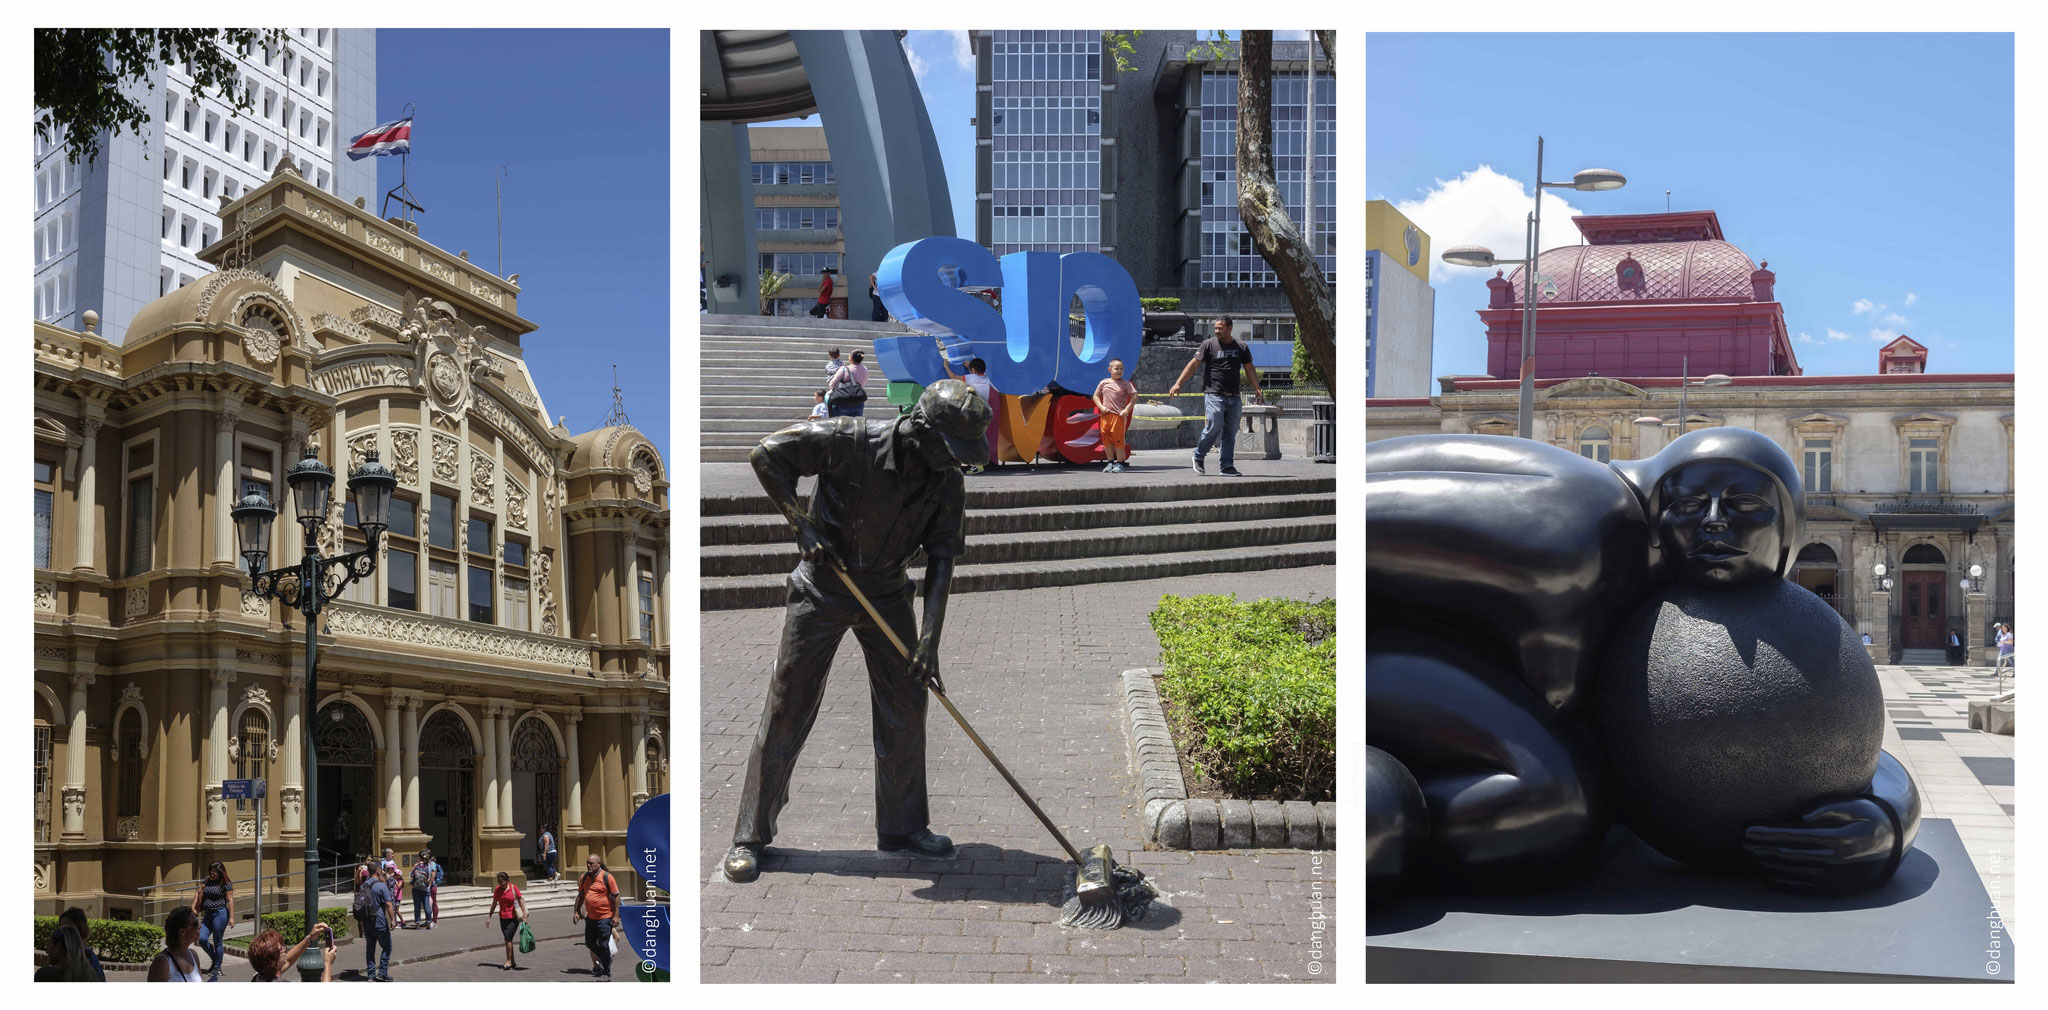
pixel 845 388
pixel 422 876
pixel 365 906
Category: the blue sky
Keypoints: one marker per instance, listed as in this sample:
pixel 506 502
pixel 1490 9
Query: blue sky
pixel 580 120
pixel 1874 172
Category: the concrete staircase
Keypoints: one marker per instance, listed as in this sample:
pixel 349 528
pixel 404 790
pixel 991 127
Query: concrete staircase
pixel 1923 657
pixel 757 374
pixel 1025 537
pixel 468 899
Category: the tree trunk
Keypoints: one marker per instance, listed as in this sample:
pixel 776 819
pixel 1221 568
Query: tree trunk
pixel 1275 234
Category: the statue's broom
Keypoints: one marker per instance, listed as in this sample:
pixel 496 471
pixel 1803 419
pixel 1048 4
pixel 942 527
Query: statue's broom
pixel 1102 893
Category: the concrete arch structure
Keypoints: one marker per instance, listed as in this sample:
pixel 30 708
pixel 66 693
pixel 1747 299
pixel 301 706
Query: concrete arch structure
pixel 476 732
pixel 351 698
pixel 885 155
pixel 56 704
pixel 561 742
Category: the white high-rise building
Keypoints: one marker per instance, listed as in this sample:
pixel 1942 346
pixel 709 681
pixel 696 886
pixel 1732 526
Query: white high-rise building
pixel 117 234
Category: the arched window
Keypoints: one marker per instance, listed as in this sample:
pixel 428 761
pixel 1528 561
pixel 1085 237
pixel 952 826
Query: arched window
pixel 1923 554
pixel 657 778
pixel 253 756
pixel 1817 555
pixel 1596 444
pixel 128 757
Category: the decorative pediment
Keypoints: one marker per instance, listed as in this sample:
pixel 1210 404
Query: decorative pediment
pixel 449 357
pixel 1494 424
pixel 1818 423
pixel 1926 421
pixel 1590 387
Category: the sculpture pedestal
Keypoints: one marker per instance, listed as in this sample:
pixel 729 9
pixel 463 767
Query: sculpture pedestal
pixel 1643 918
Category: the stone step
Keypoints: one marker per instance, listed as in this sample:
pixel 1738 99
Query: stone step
pixel 476 900
pixel 709 324
pixel 747 591
pixel 716 531
pixel 777 400
pixel 1057 545
pixel 1023 494
pixel 821 342
pixel 1923 657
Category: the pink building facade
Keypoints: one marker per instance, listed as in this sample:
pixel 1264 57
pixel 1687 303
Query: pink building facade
pixel 1646 293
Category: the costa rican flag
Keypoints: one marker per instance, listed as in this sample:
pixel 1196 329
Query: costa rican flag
pixel 394 137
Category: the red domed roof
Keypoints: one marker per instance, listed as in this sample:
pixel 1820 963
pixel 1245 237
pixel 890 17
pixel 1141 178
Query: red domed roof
pixel 1698 270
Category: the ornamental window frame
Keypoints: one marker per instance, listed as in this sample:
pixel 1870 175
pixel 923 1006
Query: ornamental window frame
pixel 131 472
pixel 1820 425
pixel 1924 425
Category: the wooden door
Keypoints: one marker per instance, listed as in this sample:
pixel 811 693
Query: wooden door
pixel 1924 618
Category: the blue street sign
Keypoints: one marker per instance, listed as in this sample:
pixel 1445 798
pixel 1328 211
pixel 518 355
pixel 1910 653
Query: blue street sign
pixel 237 789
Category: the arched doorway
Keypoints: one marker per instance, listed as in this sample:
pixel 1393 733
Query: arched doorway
pixel 1818 570
pixel 345 748
pixel 536 786
pixel 448 793
pixel 1923 598
pixel 46 786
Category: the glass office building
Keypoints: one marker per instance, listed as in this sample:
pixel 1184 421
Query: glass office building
pixel 1228 258
pixel 1045 158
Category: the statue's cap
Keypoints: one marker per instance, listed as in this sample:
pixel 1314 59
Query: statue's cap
pixel 959 414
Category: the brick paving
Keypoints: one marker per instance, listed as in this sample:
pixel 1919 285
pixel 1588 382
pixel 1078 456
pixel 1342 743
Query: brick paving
pixel 444 954
pixel 1037 672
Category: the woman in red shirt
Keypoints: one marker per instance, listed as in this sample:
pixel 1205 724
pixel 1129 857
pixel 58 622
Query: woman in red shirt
pixel 511 908
pixel 824 306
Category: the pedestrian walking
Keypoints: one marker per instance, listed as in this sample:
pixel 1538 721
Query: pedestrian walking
pixel 880 312
pixel 548 853
pixel 884 491
pixel 214 903
pixel 847 394
pixel 1221 358
pixel 977 380
pixel 375 912
pixel 510 906
pixel 75 917
pixel 824 306
pixel 67 958
pixel 269 956
pixel 2004 645
pixel 597 907
pixel 422 879
pixel 1116 399
pixel 178 962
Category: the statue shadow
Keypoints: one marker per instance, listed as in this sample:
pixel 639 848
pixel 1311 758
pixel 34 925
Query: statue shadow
pixel 976 872
pixel 1630 878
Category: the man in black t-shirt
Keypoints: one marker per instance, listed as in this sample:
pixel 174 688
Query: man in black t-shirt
pixel 1220 357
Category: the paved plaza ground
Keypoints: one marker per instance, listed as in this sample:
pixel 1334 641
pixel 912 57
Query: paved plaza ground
pixel 1965 775
pixel 1036 672
pixel 446 954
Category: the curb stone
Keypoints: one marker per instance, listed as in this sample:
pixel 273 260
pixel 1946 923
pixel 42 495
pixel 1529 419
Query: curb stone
pixel 1173 821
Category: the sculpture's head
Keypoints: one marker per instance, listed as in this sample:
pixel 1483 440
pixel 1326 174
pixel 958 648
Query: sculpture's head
pixel 949 425
pixel 1726 505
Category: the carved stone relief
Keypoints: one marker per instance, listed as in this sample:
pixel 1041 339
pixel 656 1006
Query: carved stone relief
pixel 46 597
pixel 359 449
pixel 482 478
pixel 138 601
pixel 460 636
pixel 254 605
pixel 515 502
pixel 643 471
pixel 128 829
pixel 405 455
pixel 447 457
pixel 449 356
pixel 543 576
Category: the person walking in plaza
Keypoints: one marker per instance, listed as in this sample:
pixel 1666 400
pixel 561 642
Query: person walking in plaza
pixel 75 918
pixel 847 394
pixel 1116 399
pixel 597 907
pixel 824 306
pixel 510 905
pixel 422 880
pixel 885 490
pixel 271 958
pixel 376 911
pixel 548 853
pixel 178 962
pixel 214 902
pixel 67 958
pixel 2004 640
pixel 977 380
pixel 1220 358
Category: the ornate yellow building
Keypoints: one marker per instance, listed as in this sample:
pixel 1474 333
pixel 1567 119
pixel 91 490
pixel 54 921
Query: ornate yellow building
pixel 506 666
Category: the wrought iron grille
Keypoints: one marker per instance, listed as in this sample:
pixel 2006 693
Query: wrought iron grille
pixel 346 740
pixel 445 743
pixel 43 748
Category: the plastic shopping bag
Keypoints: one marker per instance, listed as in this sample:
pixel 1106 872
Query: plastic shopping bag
pixel 525 938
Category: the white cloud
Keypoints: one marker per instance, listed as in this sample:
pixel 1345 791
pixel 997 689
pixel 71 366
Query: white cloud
pixel 1911 298
pixel 963 55
pixel 1862 306
pixel 1884 335
pixel 1834 334
pixel 1484 207
pixel 918 66
pixel 1894 319
pixel 1805 338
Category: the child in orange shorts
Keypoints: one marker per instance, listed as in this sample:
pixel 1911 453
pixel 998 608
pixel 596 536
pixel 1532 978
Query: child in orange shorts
pixel 1115 401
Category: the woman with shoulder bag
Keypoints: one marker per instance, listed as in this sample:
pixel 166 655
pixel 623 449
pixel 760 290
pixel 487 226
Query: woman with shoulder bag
pixel 511 907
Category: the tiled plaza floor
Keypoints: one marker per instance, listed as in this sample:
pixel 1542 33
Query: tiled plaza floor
pixel 1965 775
pixel 1037 672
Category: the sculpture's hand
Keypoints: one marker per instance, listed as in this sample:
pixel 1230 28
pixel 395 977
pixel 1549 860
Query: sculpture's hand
pixel 924 665
pixel 812 545
pixel 1838 847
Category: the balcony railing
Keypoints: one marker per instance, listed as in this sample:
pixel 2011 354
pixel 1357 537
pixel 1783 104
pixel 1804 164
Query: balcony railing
pixel 406 628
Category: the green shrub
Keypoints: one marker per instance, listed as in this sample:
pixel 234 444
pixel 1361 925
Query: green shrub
pixel 1251 692
pixel 1303 370
pixel 292 925
pixel 112 940
pixel 1160 304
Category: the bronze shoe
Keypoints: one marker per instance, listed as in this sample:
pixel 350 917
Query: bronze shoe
pixel 742 864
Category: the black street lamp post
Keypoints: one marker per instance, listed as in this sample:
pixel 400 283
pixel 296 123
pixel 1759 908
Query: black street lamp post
pixel 307 587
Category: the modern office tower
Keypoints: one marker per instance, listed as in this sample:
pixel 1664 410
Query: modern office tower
pixel 114 235
pixel 1140 164
pixel 796 216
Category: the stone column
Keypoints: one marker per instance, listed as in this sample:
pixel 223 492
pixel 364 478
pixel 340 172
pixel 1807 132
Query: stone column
pixel 88 470
pixel 1880 627
pixel 217 751
pixel 573 816
pixel 224 549
pixel 410 765
pixel 394 761
pixel 505 765
pixel 74 757
pixel 487 775
pixel 1973 627
pixel 292 794
pixel 638 740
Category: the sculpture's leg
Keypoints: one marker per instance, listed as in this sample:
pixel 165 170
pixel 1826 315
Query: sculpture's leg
pixel 1396 822
pixel 812 625
pixel 898 702
pixel 1515 796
